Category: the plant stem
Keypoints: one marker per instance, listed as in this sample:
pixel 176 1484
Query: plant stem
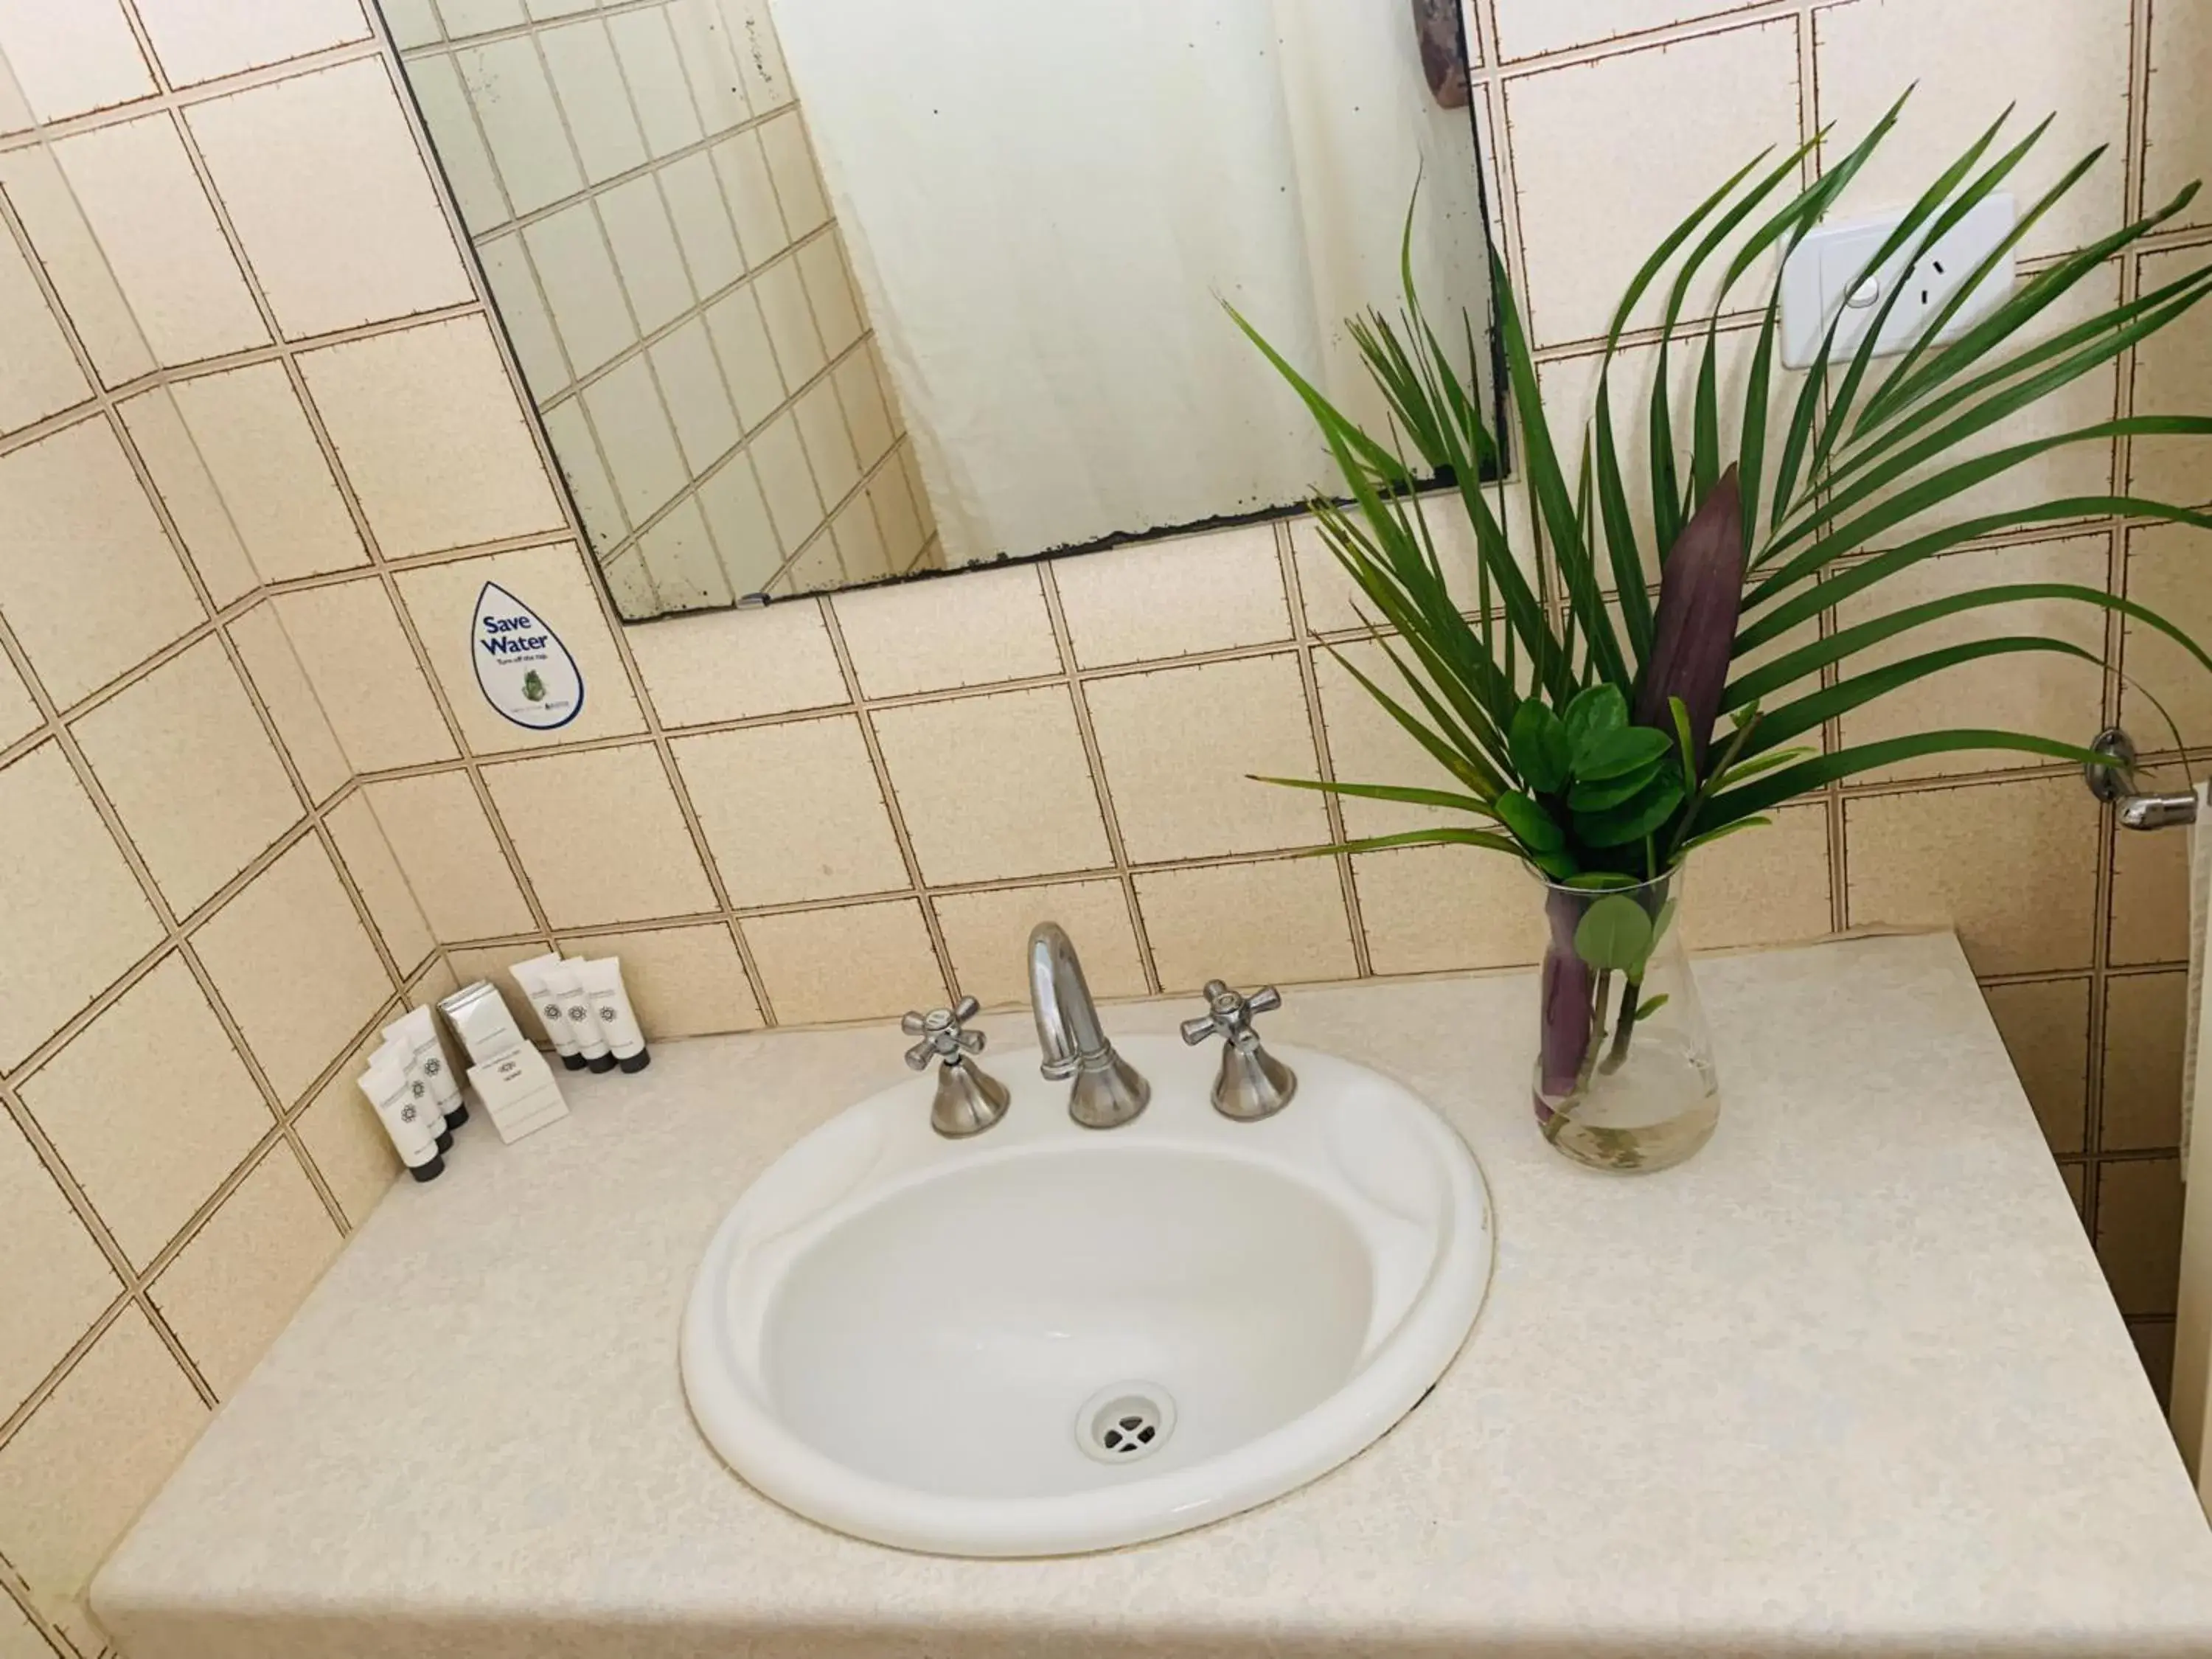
pixel 1632 995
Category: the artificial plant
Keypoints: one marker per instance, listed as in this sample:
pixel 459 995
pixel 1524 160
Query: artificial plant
pixel 1581 728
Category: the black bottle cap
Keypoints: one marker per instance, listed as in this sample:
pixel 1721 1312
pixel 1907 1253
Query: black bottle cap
pixel 459 1115
pixel 638 1061
pixel 446 1141
pixel 573 1062
pixel 430 1172
pixel 601 1063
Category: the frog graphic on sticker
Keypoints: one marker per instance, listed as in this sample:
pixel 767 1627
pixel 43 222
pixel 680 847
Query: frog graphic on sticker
pixel 522 668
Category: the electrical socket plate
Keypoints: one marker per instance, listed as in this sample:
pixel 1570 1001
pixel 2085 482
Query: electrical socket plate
pixel 1826 275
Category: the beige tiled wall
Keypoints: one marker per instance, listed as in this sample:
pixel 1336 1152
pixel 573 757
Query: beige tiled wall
pixel 640 190
pixel 259 447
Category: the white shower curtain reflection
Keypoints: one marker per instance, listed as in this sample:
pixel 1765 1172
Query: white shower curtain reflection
pixel 1045 202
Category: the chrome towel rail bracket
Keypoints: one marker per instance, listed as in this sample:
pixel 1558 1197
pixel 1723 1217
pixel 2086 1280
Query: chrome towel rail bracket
pixel 2110 783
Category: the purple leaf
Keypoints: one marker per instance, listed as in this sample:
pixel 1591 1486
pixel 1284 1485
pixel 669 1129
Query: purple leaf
pixel 1700 595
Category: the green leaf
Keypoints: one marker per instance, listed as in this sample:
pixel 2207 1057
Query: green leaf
pixel 1596 709
pixel 1589 797
pixel 1634 818
pixel 1721 834
pixel 1650 1005
pixel 1539 740
pixel 1614 932
pixel 1791 781
pixel 1811 711
pixel 1663 920
pixel 1623 750
pixel 1529 822
pixel 1559 866
pixel 1408 796
pixel 1442 836
pixel 1598 880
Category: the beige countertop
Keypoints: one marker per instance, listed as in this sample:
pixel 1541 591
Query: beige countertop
pixel 1848 1381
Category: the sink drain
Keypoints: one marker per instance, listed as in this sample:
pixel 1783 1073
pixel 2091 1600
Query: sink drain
pixel 1125 1422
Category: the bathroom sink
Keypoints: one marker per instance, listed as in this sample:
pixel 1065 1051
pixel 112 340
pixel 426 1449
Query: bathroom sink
pixel 1047 1339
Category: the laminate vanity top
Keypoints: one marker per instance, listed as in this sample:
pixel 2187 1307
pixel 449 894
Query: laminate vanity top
pixel 1848 1382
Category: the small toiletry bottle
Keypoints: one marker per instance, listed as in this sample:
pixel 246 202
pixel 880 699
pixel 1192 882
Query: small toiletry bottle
pixel 402 1055
pixel 602 981
pixel 564 984
pixel 552 1011
pixel 417 1029
pixel 387 1085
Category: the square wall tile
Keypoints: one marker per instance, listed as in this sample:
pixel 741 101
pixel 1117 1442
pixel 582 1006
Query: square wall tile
pixel 20 1638
pixel 374 869
pixel 987 935
pixel 2139 1232
pixel 199 41
pixel 1157 599
pixel 1766 886
pixel 2166 573
pixel 576 452
pixel 428 428
pixel 340 1130
pixel 748 359
pixel 779 459
pixel 183 756
pixel 2045 1027
pixel 791 327
pixel 985 626
pixel 137 189
pixel 2178 139
pixel 1429 908
pixel 2051 695
pixel 569 249
pixel 443 98
pixel 244 479
pixel 2146 1024
pixel 290 960
pixel 791 164
pixel 682 981
pixel 658 89
pixel 1048 821
pixel 38 373
pixel 601 836
pixel 1366 744
pixel 348 643
pixel 514 101
pixel 2013 866
pixel 1178 773
pixel 829 445
pixel 68 1483
pixel 678 553
pixel 2170 373
pixel 330 199
pixel 587 81
pixel 1582 236
pixel 792 811
pixel 2150 892
pixel 698 399
pixel 645 253
pixel 828 285
pixel 736 667
pixel 437 830
pixel 867 407
pixel 737 517
pixel 95 586
pixel 1277 919
pixel 556 583
pixel 72 59
pixel 1527 27
pixel 54 1282
pixel 708 48
pixel 852 961
pixel 19 713
pixel 742 168
pixel 72 916
pixel 245 1274
pixel 285 692
pixel 75 262
pixel 151 1109
pixel 1968 59
pixel 637 437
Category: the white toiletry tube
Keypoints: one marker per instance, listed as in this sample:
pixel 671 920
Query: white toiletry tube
pixel 388 1090
pixel 397 1051
pixel 417 1031
pixel 602 981
pixel 487 1031
pixel 552 1011
pixel 570 989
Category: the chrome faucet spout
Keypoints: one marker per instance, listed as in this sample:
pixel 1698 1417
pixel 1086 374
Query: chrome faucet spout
pixel 1107 1091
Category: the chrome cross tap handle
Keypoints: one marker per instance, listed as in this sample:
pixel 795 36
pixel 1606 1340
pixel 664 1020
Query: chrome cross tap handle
pixel 970 1100
pixel 1252 1083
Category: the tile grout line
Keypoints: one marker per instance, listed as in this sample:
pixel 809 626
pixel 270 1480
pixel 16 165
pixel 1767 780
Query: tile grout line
pixel 1094 760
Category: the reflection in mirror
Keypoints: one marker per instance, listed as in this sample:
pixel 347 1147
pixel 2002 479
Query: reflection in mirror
pixel 971 304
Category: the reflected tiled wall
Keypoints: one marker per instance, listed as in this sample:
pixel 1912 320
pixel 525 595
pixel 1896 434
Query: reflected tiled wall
pixel 260 448
pixel 640 188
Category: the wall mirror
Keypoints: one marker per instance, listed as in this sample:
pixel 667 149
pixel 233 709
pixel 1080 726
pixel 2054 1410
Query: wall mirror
pixel 820 293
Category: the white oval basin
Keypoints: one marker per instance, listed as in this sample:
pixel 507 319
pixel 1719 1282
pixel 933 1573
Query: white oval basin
pixel 1048 1339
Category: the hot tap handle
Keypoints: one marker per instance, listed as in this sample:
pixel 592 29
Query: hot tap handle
pixel 1229 1015
pixel 942 1034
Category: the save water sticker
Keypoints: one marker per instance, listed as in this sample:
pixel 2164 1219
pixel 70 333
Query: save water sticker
pixel 523 669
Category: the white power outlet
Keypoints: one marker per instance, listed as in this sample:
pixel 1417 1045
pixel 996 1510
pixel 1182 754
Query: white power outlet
pixel 1825 277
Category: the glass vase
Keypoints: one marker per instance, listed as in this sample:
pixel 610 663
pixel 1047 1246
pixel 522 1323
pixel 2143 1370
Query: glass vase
pixel 1624 1077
